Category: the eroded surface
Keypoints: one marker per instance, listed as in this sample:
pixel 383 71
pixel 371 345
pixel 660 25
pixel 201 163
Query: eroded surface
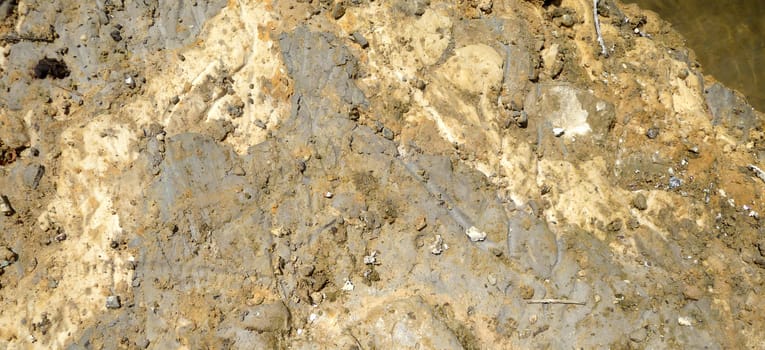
pixel 372 175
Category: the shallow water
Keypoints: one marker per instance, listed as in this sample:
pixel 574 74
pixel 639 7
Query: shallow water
pixel 728 38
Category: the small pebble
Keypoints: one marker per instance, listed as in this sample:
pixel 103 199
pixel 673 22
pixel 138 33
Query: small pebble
pixel 420 84
pixel 674 182
pixel 421 223
pixel 652 133
pixel 116 36
pixel 638 335
pixel 348 286
pixel 235 110
pixel 567 20
pixel 339 10
pixel 692 292
pixel 301 166
pixel 5 206
pixel 113 302
pixel 495 251
pixel 33 174
pixel 360 39
pixel 388 133
pixel 354 113
pixel 317 298
pixel 280 231
pixel 130 82
pixel 684 321
pixel 370 259
pixel 523 120
pixel 475 235
pixel 438 246
pixel 633 223
pixel 639 202
pixel 420 10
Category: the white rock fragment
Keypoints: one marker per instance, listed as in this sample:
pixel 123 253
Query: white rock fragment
pixel 558 132
pixel 129 81
pixel 475 234
pixel 371 258
pixel 113 302
pixel 316 298
pixel 684 321
pixel 348 286
pixel 438 246
pixel 757 171
pixel 280 231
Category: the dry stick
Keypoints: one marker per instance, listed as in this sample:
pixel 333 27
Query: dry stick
pixel 602 43
pixel 555 301
pixel 14 38
pixel 68 90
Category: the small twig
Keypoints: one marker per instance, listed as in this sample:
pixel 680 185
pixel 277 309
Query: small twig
pixel 555 301
pixel 358 343
pixel 602 43
pixel 15 38
pixel 68 90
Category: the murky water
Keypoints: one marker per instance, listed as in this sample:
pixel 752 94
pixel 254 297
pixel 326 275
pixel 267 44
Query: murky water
pixel 728 37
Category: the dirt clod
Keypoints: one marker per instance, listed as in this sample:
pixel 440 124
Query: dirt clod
pixel 51 67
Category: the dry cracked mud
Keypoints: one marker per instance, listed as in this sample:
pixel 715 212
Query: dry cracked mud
pixel 371 174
